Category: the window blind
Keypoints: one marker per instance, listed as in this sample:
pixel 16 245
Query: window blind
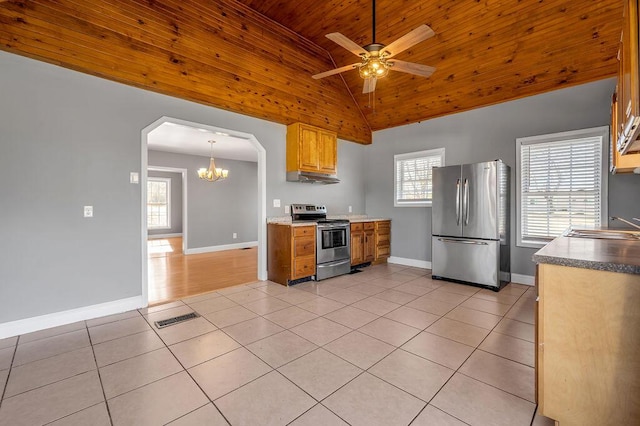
pixel 414 178
pixel 561 186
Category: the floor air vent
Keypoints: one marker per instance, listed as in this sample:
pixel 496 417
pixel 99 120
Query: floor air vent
pixel 175 320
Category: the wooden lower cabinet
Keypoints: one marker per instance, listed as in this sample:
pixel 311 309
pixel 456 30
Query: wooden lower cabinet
pixel 363 243
pixel 291 252
pixel 382 241
pixel 588 346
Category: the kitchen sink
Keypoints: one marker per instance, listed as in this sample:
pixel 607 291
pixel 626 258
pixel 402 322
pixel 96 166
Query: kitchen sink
pixel 605 234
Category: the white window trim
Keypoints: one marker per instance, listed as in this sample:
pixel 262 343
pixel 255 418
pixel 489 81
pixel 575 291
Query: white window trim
pixel 411 155
pixel 603 133
pixel 168 182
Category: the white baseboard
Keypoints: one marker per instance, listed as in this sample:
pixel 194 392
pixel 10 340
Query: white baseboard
pixel 158 236
pixel 522 279
pixel 28 325
pixel 211 249
pixel 424 264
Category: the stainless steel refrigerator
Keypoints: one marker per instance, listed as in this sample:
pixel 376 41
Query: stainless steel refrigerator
pixel 470 224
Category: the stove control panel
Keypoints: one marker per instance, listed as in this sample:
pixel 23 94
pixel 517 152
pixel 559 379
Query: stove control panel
pixel 308 208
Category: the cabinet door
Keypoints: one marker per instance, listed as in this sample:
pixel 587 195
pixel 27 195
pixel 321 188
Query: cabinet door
pixel 382 240
pixel 357 255
pixel 628 81
pixel 620 163
pixel 369 245
pixel 327 162
pixel 308 149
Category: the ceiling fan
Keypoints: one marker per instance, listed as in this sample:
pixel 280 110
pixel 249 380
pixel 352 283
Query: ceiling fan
pixel 376 58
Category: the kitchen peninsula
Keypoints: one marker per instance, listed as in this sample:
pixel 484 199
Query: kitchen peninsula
pixel 588 331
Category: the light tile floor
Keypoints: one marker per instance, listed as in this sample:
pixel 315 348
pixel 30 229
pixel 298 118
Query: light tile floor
pixel 387 346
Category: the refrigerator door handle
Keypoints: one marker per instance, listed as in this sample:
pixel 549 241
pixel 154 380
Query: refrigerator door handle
pixel 458 202
pixel 449 240
pixel 465 202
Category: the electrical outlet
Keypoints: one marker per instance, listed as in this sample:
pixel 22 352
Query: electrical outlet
pixel 350 209
pixel 276 202
pixel 235 235
pixel 88 211
pixel 287 209
pixel 134 177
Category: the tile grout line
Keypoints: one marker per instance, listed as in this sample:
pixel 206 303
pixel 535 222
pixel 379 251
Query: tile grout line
pixel 6 384
pixel 189 373
pixel 104 395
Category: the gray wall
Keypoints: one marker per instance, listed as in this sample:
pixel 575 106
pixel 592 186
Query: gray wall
pixel 216 210
pixel 481 135
pixel 176 203
pixel 86 131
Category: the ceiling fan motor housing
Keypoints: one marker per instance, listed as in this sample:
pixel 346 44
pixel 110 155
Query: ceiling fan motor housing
pixel 374 48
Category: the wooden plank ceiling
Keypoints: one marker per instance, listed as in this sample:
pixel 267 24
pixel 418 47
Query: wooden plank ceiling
pixel 256 57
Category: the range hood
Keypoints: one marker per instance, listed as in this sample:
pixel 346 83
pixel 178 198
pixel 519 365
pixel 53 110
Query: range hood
pixel 309 177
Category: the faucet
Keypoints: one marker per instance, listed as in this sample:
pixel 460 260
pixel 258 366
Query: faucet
pixel 626 221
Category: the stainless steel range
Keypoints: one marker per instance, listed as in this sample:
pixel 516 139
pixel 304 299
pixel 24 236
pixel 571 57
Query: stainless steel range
pixel 333 253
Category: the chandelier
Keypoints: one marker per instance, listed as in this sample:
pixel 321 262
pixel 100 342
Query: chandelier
pixel 213 173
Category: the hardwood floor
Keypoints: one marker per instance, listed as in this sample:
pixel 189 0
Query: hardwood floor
pixel 174 276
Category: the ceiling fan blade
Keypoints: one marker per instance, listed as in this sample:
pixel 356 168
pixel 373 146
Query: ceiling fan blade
pixel 336 71
pixel 369 85
pixel 413 37
pixel 348 44
pixel 411 68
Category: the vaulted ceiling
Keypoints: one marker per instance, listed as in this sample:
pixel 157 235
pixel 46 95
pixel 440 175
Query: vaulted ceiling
pixel 256 57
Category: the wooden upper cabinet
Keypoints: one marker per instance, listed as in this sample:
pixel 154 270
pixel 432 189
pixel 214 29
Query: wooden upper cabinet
pixel 629 82
pixel 311 149
pixel 620 163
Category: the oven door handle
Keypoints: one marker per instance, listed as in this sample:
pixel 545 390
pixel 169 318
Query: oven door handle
pixel 331 264
pixel 341 226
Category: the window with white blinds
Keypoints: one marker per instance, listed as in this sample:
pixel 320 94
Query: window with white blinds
pixel 561 184
pixel 413 179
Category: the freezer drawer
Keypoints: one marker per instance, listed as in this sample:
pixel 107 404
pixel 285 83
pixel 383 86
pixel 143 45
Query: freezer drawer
pixel 473 261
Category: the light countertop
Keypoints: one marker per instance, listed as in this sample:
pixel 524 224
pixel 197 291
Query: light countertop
pixel 599 254
pixel 286 220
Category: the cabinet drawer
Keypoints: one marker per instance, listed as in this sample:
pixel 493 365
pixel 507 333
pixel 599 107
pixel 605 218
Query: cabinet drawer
pixel 383 226
pixel 304 231
pixel 383 239
pixel 369 225
pixel 356 227
pixel 383 251
pixel 304 246
pixel 304 267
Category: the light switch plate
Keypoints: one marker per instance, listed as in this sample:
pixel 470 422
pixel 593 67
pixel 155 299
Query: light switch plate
pixel 287 209
pixel 88 211
pixel 235 235
pixel 350 209
pixel 276 202
pixel 134 177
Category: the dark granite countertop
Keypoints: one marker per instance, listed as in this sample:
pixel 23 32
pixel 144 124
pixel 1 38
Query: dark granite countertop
pixel 603 255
